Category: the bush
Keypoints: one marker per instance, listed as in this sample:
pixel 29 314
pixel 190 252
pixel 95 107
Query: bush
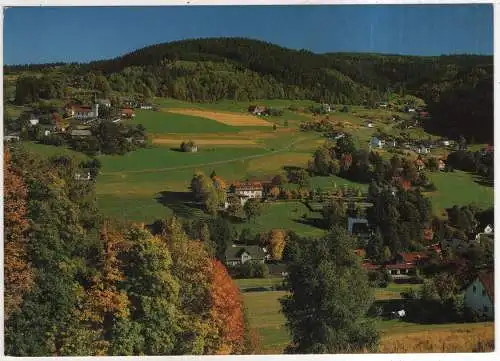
pixel 252 270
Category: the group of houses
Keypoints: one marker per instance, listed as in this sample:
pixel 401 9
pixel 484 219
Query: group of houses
pixel 91 112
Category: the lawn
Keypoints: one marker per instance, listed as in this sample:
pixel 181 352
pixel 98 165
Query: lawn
pixel 51 150
pixel 332 182
pixel 285 215
pixel 159 122
pixel 161 159
pixel 459 188
pixel 244 283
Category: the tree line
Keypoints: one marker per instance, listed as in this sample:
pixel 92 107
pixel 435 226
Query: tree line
pixel 78 285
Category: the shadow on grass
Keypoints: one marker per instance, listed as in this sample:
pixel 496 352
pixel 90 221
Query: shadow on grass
pixel 483 181
pixel 313 222
pixel 181 203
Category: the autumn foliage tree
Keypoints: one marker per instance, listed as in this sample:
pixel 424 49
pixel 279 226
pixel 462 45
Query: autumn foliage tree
pixel 226 312
pixel 275 240
pixel 17 270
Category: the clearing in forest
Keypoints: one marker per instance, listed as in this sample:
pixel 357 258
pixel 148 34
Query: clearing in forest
pixel 234 119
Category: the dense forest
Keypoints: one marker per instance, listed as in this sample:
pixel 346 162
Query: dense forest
pixel 79 285
pixel 458 88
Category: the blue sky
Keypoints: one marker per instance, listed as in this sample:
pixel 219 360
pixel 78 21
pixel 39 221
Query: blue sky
pixel 39 35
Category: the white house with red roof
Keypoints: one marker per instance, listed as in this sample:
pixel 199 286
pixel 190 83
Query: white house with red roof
pixel 82 112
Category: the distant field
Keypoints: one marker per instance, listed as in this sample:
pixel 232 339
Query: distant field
pixel 402 337
pixel 50 150
pixel 165 160
pixel 459 188
pixel 219 141
pixel 265 315
pixel 231 119
pixel 160 122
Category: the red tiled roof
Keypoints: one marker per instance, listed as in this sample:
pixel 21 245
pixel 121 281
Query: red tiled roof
pixel 360 252
pixel 370 266
pixel 127 111
pixel 488 281
pixel 249 185
pixel 400 266
pixel 412 257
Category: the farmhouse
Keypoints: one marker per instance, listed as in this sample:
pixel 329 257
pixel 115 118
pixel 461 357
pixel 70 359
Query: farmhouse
pixel 236 255
pixel 81 112
pixel 400 271
pixel 249 189
pixel 128 113
pixel 257 110
pixel 480 295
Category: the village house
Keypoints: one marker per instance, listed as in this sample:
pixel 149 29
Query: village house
pixel 401 271
pixel 419 163
pixel 377 143
pixel 422 149
pixel 258 110
pixel 326 107
pixel 47 129
pixel 13 137
pixel 146 107
pixel 33 121
pixel 479 295
pixel 277 269
pixel 83 176
pixel 128 113
pixel 81 112
pixel 249 189
pixel 237 255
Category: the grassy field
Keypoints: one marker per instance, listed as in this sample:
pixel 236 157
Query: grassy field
pixel 285 215
pixel 265 315
pixel 51 150
pixel 258 282
pixel 459 188
pixel 160 122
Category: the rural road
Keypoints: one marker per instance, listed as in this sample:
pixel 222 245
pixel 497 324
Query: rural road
pixel 155 170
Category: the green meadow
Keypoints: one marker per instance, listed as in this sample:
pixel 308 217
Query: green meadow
pixel 160 122
pixel 459 188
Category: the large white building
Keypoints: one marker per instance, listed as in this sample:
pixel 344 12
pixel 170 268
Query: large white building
pixel 83 112
pixel 480 295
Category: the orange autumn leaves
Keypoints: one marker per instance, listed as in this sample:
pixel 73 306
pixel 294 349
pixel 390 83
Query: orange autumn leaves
pixel 18 274
pixel 227 311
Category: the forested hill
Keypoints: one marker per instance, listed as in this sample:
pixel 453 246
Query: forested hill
pixel 211 69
